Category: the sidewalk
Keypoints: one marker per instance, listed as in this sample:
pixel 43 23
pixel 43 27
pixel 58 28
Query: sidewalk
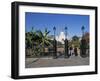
pixel 50 62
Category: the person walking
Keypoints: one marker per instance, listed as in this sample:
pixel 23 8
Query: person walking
pixel 75 51
pixel 70 51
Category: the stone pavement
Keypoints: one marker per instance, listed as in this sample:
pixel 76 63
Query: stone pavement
pixel 50 62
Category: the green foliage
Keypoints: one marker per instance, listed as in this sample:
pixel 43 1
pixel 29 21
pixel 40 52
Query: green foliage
pixel 37 40
pixel 74 42
pixel 75 38
pixel 44 39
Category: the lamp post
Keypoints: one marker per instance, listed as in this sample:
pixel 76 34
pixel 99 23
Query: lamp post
pixel 83 44
pixel 55 44
pixel 66 32
pixel 82 31
pixel 66 43
pixel 54 28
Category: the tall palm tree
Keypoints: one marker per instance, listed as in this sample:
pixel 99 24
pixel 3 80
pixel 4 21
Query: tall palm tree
pixel 35 42
pixel 44 39
pixel 28 40
pixel 28 43
pixel 32 42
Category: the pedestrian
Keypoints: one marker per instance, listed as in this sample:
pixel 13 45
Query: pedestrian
pixel 70 50
pixel 75 51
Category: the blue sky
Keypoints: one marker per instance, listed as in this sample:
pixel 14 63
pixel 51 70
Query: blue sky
pixel 40 21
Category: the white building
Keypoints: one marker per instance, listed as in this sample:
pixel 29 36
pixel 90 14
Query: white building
pixel 61 37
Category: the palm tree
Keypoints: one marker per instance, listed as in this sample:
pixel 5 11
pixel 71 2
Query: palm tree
pixel 35 39
pixel 44 39
pixel 28 43
pixel 28 40
pixel 32 42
